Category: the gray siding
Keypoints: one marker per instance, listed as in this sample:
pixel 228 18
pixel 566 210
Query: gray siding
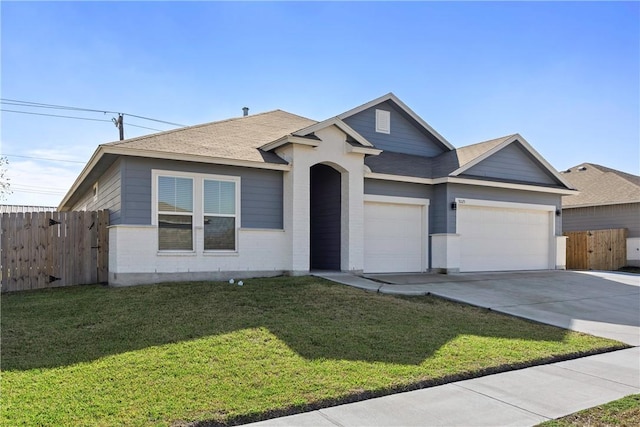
pixel 500 195
pixel 439 211
pixel 512 163
pixel 603 217
pixel 398 189
pixel 261 193
pixel 404 137
pixel 108 194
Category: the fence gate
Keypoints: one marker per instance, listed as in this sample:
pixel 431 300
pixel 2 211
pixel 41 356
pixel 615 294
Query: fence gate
pixel 597 249
pixel 51 249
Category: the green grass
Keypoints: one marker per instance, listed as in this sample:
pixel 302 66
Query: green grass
pixel 624 412
pixel 168 353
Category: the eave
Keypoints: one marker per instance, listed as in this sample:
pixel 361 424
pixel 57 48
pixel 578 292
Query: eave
pixel 103 150
pixel 466 181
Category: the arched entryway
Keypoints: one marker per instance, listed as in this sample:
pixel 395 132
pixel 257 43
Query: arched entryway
pixel 325 217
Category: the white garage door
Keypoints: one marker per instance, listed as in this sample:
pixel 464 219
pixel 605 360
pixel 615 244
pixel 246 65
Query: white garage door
pixel 501 238
pixel 394 237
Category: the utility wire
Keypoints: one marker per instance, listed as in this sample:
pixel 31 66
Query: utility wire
pixel 75 117
pixel 55 115
pixel 64 107
pixel 37 187
pixel 43 158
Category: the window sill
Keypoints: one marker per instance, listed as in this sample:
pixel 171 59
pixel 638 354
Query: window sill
pixel 176 253
pixel 221 253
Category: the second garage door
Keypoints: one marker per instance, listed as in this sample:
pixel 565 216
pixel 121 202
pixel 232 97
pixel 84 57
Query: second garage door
pixel 504 237
pixel 395 236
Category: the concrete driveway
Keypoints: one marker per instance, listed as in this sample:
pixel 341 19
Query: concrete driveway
pixel 604 304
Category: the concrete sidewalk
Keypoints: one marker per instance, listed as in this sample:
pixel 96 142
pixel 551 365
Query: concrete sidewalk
pixel 524 397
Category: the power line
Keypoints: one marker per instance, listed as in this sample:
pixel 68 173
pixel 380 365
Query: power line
pixel 27 190
pixel 55 115
pixel 38 187
pixel 65 107
pixel 143 127
pixel 43 158
pixel 75 117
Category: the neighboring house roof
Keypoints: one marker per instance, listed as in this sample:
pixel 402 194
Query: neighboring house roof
pixel 599 185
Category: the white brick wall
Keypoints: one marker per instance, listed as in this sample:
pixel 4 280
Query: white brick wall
pixel 331 151
pixel 134 249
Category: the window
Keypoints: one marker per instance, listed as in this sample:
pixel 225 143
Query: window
pixel 196 212
pixel 383 121
pixel 219 215
pixel 175 213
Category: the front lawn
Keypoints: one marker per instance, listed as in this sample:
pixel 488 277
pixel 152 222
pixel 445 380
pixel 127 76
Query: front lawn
pixel 170 353
pixel 623 412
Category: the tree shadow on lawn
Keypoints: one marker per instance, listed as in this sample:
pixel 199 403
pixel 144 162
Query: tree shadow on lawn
pixel 316 319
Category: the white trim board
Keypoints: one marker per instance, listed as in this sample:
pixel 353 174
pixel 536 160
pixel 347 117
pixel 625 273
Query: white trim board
pixel 374 198
pixel 467 181
pixel 504 205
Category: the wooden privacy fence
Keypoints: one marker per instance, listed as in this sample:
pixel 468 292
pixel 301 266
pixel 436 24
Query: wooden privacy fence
pixel 51 249
pixel 597 249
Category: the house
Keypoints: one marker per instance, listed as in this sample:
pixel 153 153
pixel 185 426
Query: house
pixel 608 199
pixel 25 208
pixel 374 189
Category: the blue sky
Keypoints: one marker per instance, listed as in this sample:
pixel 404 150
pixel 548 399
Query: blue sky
pixel 566 76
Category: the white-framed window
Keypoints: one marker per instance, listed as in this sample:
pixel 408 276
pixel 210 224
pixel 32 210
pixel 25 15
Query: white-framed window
pixel 219 214
pixel 383 121
pixel 190 203
pixel 175 213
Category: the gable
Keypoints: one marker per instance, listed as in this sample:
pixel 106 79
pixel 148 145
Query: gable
pixel 403 135
pixel 512 163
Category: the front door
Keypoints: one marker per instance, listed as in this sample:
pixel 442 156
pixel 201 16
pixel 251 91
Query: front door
pixel 325 217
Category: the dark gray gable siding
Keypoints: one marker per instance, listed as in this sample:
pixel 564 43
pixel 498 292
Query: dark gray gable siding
pixel 108 194
pixel 512 163
pixel 454 191
pixel 404 137
pixel 398 189
pixel 261 193
pixel 603 217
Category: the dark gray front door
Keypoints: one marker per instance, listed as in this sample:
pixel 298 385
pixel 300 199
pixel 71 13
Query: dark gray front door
pixel 325 195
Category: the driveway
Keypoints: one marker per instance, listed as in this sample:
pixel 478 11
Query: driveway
pixel 604 304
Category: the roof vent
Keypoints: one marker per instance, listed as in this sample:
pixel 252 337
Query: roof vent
pixel 582 168
pixel 245 111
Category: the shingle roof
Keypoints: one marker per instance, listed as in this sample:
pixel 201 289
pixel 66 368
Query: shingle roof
pixel 235 139
pixel 599 185
pixel 450 161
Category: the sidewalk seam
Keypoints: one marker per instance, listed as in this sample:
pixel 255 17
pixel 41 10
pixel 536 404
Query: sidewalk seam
pixel 328 418
pixel 594 376
pixel 501 401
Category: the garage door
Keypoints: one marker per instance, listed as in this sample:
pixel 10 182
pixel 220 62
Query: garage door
pixel 502 238
pixel 394 237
